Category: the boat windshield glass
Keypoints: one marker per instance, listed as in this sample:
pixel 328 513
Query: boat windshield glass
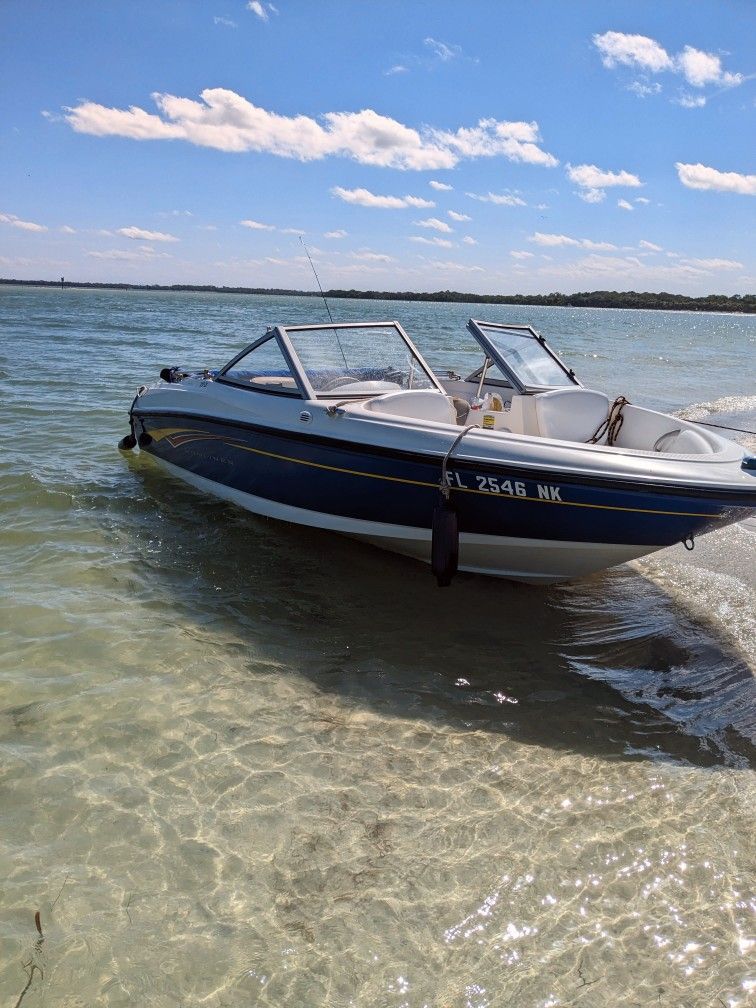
pixel 521 352
pixel 357 360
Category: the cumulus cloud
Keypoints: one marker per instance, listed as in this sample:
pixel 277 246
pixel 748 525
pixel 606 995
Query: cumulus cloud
pixel 458 216
pixel 440 186
pixel 554 240
pixel 698 176
pixel 363 197
pixel 224 120
pixel 139 234
pixel 293 231
pixel 700 68
pixel 594 181
pixel 459 267
pixel 500 199
pixel 624 205
pixel 650 246
pixel 66 229
pixel 632 50
pixel 22 225
pixel 522 255
pixel 335 234
pixel 435 224
pixel 443 242
pixel 642 200
pixel 469 241
pixel 696 66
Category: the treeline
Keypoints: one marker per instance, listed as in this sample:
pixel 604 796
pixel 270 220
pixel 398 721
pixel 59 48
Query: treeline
pixel 745 303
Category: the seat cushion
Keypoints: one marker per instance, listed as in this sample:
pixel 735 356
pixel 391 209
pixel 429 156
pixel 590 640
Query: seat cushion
pixel 570 414
pixel 421 404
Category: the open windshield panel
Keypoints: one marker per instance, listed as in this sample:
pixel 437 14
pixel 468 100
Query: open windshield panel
pixel 348 360
pixel 519 358
pixel 264 367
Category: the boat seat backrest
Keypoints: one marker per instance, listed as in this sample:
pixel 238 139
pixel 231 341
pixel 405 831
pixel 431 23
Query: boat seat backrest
pixel 420 404
pixel 569 414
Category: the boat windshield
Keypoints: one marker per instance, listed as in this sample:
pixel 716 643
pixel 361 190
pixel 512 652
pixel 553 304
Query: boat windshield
pixel 351 360
pixel 522 356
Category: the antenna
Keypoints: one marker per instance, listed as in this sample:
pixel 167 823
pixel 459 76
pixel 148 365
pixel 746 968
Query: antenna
pixel 320 288
pixel 317 278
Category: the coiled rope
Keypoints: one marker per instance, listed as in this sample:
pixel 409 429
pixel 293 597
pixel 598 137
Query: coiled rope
pixel 613 423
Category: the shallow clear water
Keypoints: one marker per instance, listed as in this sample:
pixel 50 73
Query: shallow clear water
pixel 243 763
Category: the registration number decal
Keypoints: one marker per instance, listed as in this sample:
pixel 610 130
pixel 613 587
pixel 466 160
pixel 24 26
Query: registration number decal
pixel 504 487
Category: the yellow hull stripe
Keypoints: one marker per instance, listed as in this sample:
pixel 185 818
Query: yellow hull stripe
pixel 158 435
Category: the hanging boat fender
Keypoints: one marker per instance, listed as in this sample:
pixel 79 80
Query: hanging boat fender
pixel 130 440
pixel 445 525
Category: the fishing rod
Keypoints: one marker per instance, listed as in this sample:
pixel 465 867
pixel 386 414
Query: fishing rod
pixel 325 302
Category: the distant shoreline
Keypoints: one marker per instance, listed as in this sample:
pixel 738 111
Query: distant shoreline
pixel 743 304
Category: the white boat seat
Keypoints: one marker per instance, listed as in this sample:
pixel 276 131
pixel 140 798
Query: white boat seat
pixel 420 404
pixel 570 414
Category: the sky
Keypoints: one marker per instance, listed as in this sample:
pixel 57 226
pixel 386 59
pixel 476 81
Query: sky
pixel 514 146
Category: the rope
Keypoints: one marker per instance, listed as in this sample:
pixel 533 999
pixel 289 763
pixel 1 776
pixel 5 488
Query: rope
pixel 445 488
pixel 613 423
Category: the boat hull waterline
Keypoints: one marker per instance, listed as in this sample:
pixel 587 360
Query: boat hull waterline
pixel 515 521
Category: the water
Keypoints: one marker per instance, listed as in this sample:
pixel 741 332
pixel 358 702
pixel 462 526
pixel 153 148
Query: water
pixel 243 763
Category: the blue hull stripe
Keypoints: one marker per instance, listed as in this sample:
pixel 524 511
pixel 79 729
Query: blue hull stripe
pixel 350 480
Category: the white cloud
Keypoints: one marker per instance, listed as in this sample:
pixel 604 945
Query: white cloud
pixel 129 255
pixel 293 231
pixel 642 199
pixel 335 234
pixel 554 240
pixel 363 197
pixel 701 68
pixel 227 22
pixel 68 230
pixel 632 50
pixel 139 234
pixel 500 199
pixel 443 50
pixel 224 120
pixel 440 186
pixel 650 246
pixel 714 264
pixel 443 242
pixel 254 225
pixel 460 217
pixel 258 8
pixel 593 181
pixel 372 256
pixel 644 90
pixel 469 240
pixel 459 267
pixel 435 224
pixel 592 195
pixel 698 176
pixel 591 177
pixel 522 255
pixel 690 101
pixel 22 225
pixel 624 205
pixel 397 68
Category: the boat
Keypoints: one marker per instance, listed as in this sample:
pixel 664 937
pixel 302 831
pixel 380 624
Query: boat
pixel 516 471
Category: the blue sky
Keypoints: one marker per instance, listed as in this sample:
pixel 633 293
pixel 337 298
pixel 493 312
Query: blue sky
pixel 488 146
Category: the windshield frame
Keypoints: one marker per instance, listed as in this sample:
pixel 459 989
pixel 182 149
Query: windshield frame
pixel 271 334
pixel 283 334
pixel 477 329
